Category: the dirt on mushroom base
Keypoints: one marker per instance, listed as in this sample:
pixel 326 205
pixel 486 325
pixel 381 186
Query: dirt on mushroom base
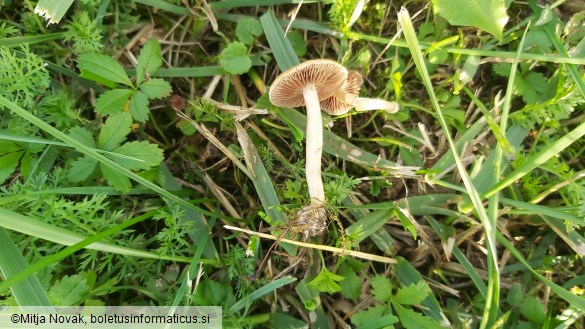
pixel 310 221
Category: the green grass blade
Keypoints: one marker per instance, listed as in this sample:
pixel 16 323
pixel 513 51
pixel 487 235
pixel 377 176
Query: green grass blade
pixel 493 283
pixel 299 23
pixel 370 223
pixel 37 140
pixel 229 4
pixel 262 183
pixel 30 226
pixel 556 219
pixel 166 6
pixel 473 275
pixel 543 210
pixel 29 39
pixel 383 240
pixel 574 300
pixel 29 292
pixel 53 10
pixel 551 58
pixel 281 49
pixel 268 288
pixel 483 180
pixel 101 12
pixel 8 216
pixel 191 272
pixel 472 132
pixel 538 159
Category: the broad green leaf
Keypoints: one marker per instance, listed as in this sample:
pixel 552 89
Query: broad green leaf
pixel 326 281
pixel 113 101
pixel 144 154
pixel 234 58
pixel 81 169
pixel 280 320
pixel 116 179
pixel 515 295
pixel 83 136
pixel 408 275
pixel 26 164
pixel 69 291
pixel 409 319
pixel 139 106
pixel 412 294
pixel 102 66
pixel 487 15
pixel 381 288
pixel 351 286
pixel 114 131
pixel 502 69
pixel 156 88
pixel 374 314
pixel 537 38
pixel 297 41
pixel 536 85
pixel 10 154
pixel 247 29
pixel 532 309
pixel 186 127
pixel 149 60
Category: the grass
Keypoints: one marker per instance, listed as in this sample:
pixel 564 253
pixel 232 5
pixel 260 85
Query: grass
pixel 168 178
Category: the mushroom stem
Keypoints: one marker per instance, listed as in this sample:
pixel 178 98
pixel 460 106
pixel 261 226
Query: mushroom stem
pixel 314 148
pixel 369 104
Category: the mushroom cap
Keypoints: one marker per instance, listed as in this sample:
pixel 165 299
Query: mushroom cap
pixel 342 100
pixel 327 76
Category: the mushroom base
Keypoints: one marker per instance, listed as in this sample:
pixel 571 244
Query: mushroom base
pixel 311 220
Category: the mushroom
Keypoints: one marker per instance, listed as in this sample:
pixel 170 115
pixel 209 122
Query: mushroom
pixel 344 98
pixel 347 97
pixel 320 84
pixel 309 84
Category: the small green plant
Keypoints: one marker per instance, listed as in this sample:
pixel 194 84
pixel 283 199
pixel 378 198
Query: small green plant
pixel 341 12
pixel 103 69
pixel 135 155
pixel 326 281
pixel 24 77
pixel 396 307
pixel 84 34
pixel 240 269
pixel 234 58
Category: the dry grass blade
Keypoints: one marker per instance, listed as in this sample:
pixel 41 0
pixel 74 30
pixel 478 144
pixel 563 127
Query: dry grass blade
pixel 339 251
pixel 201 128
